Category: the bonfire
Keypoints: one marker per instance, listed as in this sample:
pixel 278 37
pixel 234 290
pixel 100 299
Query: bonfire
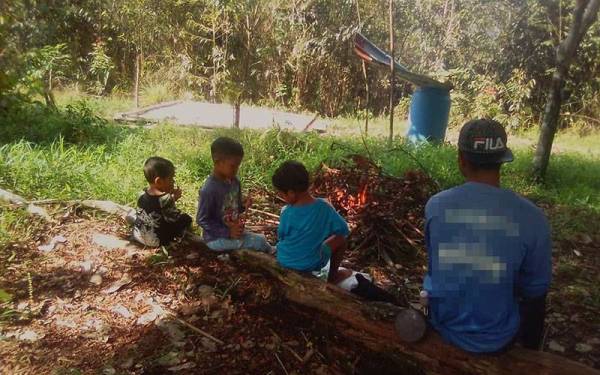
pixel 385 213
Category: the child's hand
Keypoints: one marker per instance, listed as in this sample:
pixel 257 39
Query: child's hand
pixel 236 226
pixel 235 229
pixel 176 193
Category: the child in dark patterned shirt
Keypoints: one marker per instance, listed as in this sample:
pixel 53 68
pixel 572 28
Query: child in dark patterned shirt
pixel 158 221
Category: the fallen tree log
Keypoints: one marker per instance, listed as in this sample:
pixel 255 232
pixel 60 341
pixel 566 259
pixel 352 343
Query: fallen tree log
pixel 365 323
pixel 17 200
pixel 33 207
pixel 372 325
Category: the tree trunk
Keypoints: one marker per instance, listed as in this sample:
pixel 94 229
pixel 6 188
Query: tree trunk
pixel 584 15
pixel 392 78
pixel 371 325
pixel 213 83
pixel 236 114
pixel 50 80
pixel 136 88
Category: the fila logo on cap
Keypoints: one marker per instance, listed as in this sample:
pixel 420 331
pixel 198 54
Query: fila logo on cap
pixel 488 144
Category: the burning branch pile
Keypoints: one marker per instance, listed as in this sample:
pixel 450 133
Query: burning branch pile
pixel 385 213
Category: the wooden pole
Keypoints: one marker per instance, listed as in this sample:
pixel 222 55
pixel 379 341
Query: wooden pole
pixel 136 88
pixel 364 71
pixel 391 135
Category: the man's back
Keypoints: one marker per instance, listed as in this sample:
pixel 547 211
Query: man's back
pixel 487 247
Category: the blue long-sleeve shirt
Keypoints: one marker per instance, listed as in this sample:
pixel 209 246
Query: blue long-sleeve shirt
pixel 218 200
pixel 487 248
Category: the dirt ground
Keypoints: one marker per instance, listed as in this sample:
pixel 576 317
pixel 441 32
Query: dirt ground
pixel 99 304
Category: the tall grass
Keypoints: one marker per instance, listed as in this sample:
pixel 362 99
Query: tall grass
pixel 113 171
pixel 78 156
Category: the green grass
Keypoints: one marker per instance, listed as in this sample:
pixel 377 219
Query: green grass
pixel 73 154
pixel 113 170
pixel 108 106
pixel 14 223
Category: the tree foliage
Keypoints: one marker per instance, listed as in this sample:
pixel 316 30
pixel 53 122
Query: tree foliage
pixel 299 53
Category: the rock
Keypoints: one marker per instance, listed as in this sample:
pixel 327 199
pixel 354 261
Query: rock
pixel 29 335
pixel 583 348
pixel 109 207
pixel 23 305
pixel 122 310
pixel 577 252
pixel 156 307
pixel 38 211
pixel 96 279
pixel 223 257
pixel 124 280
pixel 86 266
pixel 109 242
pixel 108 370
pixel 155 312
pixel 147 318
pixel 66 323
pixel 52 244
pixel 555 346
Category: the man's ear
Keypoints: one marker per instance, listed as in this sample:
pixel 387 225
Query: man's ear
pixel 156 180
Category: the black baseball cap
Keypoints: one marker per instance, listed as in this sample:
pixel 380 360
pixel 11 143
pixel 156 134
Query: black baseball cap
pixel 483 141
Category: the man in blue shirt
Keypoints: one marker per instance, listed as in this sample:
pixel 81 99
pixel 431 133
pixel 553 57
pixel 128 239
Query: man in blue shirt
pixel 489 252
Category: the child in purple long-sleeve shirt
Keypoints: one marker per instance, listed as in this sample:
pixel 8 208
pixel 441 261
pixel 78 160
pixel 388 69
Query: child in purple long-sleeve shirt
pixel 220 202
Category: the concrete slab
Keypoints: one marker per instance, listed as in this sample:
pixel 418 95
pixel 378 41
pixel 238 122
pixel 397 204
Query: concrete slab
pixel 213 115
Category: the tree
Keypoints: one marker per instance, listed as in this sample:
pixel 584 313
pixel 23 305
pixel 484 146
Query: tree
pixel 248 19
pixel 584 15
pixel 44 65
pixel 140 26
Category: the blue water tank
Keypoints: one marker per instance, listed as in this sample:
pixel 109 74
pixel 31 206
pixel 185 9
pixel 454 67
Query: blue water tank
pixel 428 114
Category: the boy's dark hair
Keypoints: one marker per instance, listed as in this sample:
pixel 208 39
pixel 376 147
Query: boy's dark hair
pixel 225 147
pixel 291 175
pixel 158 167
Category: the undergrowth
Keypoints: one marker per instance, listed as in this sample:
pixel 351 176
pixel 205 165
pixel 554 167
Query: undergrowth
pixel 74 154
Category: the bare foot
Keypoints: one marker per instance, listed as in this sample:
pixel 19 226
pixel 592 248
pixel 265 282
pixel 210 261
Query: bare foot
pixel 341 275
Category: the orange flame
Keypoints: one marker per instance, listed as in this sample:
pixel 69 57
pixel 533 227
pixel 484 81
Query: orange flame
pixel 362 194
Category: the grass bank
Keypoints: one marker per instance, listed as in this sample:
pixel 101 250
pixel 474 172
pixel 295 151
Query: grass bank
pixel 75 154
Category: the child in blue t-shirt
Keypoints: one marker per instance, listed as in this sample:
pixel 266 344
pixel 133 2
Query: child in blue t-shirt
pixel 311 233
